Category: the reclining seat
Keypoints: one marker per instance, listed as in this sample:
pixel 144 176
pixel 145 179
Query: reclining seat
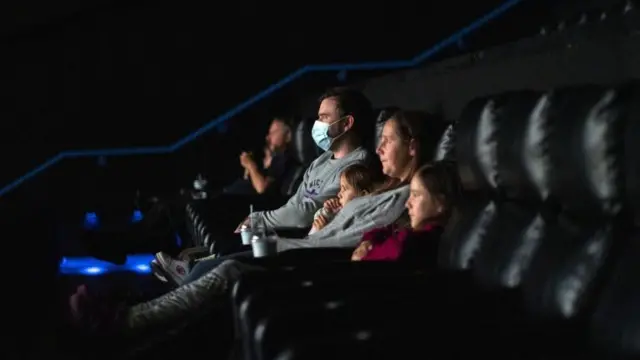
pixel 466 233
pixel 521 171
pixel 615 325
pixel 305 151
pixel 503 172
pixel 585 153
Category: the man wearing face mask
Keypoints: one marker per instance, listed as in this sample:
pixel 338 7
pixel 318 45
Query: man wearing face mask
pixel 345 121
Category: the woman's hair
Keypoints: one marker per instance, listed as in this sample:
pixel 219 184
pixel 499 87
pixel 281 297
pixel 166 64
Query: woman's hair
pixel 359 177
pixel 425 132
pixel 441 180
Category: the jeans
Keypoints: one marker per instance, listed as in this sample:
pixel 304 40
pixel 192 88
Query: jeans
pixel 205 266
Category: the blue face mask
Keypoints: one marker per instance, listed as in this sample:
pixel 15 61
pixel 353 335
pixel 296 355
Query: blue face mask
pixel 320 134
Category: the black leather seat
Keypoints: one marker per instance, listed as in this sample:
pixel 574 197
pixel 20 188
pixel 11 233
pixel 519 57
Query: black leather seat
pixel 615 325
pixel 545 238
pixel 305 151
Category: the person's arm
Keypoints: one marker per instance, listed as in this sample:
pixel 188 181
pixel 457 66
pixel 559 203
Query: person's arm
pixel 353 221
pixel 259 181
pixel 299 210
pixel 330 237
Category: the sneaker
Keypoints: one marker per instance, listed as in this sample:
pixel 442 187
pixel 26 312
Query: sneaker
pixel 156 269
pixel 173 270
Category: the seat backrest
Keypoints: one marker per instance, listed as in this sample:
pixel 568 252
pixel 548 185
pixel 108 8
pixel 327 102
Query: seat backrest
pixel 527 152
pixel 446 146
pixel 615 324
pixel 586 147
pixel 304 148
pixel 466 233
pixel 305 151
pixel 511 160
pixel 586 157
pixel 292 181
pixel 631 148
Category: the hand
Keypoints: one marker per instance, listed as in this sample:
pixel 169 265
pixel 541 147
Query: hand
pixel 332 205
pixel 361 251
pixel 320 222
pixel 246 160
pixel 244 222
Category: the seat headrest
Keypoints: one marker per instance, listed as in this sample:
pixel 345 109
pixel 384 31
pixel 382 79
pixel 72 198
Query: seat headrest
pixel 522 163
pixel 475 146
pixel 631 149
pixel 446 146
pixel 587 146
pixel 501 144
pixel 304 148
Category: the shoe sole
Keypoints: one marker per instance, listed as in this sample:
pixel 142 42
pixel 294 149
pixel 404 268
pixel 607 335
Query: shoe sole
pixel 159 272
pixel 154 270
pixel 159 269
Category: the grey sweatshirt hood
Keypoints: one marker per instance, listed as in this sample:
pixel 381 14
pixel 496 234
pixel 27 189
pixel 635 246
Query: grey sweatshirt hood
pixel 321 182
pixel 357 217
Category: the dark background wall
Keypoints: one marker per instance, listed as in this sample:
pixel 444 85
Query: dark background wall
pixel 138 73
pixel 602 54
pixel 147 74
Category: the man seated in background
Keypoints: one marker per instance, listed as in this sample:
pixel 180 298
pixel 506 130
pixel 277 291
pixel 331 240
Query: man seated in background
pixel 277 162
pixel 345 124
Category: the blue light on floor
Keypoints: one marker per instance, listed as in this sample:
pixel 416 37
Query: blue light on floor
pixel 142 268
pixel 91 266
pixel 93 270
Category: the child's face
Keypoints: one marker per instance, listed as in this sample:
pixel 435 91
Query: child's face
pixel 347 192
pixel 421 205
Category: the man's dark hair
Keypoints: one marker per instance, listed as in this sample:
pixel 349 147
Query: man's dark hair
pixel 353 102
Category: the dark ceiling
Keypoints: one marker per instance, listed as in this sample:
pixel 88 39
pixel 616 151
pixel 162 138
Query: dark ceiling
pixel 106 73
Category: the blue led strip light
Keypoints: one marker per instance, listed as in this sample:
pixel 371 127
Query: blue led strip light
pixel 386 65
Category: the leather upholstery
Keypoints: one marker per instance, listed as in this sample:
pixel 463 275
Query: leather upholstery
pixel 564 274
pixel 522 159
pixel 548 175
pixel 586 148
pixel 465 234
pixel 304 147
pixel 543 233
pixel 631 148
pixel 475 147
pixel 446 146
pixel 510 245
pixel 616 321
pixel 305 151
